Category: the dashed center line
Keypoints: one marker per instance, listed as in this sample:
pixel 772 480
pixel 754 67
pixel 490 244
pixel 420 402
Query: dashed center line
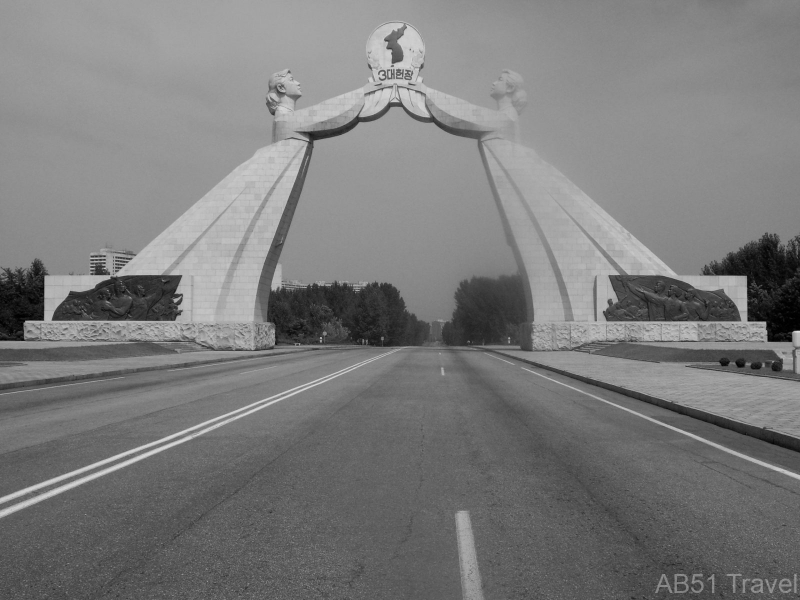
pixel 442 371
pixel 471 586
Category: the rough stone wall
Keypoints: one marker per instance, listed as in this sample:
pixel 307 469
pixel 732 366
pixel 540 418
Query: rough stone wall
pixel 216 336
pixel 568 335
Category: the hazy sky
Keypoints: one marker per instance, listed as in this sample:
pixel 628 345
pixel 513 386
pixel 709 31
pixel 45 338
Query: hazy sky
pixel 680 118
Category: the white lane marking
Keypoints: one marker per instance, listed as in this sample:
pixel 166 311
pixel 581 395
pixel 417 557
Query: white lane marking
pixel 497 358
pixel 442 371
pixel 261 369
pixel 761 463
pixel 471 587
pixel 250 408
pixel 59 386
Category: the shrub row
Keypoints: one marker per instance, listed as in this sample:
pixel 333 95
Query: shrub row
pixel 777 365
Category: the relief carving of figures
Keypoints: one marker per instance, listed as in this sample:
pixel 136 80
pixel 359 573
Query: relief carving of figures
pixel 657 298
pixel 131 298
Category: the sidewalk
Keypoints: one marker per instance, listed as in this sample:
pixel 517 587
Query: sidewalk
pixel 43 372
pixel 767 409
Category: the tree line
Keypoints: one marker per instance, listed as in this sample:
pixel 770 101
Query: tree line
pixel 344 314
pixel 773 282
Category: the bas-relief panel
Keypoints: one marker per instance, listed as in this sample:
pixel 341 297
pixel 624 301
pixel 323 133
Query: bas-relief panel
pixel 128 298
pixel 662 298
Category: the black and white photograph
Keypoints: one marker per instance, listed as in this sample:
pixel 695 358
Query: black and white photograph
pixel 428 300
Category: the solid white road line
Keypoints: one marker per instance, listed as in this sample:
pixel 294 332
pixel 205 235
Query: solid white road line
pixel 192 431
pixel 497 358
pixel 471 587
pixel 761 463
pixel 59 386
pixel 261 369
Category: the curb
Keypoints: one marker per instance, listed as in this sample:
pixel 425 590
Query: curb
pixel 62 378
pixel 766 434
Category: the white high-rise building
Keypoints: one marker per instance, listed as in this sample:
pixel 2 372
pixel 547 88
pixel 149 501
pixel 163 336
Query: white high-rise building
pixel 109 259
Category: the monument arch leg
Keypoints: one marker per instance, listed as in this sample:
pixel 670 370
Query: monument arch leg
pixel 561 237
pixel 230 240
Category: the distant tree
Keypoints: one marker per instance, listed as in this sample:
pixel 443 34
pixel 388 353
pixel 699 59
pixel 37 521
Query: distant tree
pixel 99 270
pixel 448 334
pixel 785 309
pixel 336 332
pixel 21 297
pixel 773 275
pixel 487 310
pixel 371 321
pixel 416 332
pixel 766 261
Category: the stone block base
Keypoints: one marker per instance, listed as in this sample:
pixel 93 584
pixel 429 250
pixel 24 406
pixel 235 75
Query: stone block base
pixel 216 336
pixel 570 334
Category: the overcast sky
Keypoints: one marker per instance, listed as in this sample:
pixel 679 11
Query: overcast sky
pixel 680 118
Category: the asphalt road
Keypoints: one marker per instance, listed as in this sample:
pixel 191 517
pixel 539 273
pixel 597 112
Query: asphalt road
pixel 348 487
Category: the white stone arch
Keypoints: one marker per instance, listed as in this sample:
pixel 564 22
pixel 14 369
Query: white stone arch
pixel 230 241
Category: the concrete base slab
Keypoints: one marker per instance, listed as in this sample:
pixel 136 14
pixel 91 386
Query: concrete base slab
pixel 567 335
pixel 217 336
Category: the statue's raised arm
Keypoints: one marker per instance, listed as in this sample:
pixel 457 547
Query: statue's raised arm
pixel 459 117
pixel 329 118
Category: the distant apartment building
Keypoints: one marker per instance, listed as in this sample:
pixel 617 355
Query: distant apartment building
pixel 296 284
pixel 109 259
pixel 436 330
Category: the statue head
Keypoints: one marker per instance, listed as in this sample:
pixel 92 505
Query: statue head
pixel 659 286
pixel 508 89
pixel 690 294
pixel 284 90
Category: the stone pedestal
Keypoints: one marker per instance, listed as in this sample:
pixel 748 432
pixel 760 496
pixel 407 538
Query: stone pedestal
pixel 567 335
pixel 215 336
